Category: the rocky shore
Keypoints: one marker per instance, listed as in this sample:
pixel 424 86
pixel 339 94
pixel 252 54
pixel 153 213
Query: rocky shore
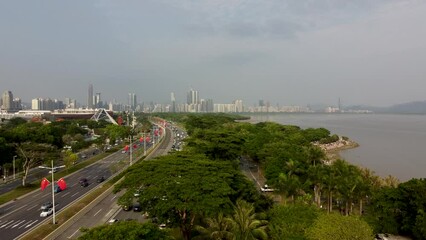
pixel 333 149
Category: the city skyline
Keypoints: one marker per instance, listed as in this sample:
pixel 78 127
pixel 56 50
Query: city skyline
pixel 287 52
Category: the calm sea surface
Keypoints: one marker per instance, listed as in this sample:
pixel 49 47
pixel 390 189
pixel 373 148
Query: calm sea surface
pixel 389 144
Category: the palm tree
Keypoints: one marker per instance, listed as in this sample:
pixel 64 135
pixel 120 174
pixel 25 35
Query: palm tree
pixel 391 181
pixel 245 224
pixel 217 228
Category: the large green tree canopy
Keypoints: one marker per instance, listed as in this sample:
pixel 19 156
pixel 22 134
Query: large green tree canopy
pixel 179 187
pixel 129 230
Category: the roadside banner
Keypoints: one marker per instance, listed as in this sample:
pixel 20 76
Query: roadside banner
pixel 44 183
pixel 62 184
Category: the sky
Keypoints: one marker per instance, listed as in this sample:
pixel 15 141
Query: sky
pixel 290 52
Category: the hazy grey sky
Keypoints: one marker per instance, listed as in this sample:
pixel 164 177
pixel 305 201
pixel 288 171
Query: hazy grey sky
pixel 283 51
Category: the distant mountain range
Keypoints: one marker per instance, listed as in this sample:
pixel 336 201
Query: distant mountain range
pixel 417 107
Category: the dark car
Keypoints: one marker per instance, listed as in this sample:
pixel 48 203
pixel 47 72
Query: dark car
pixel 83 182
pixel 46 205
pixel 57 188
pixel 137 207
pixel 100 179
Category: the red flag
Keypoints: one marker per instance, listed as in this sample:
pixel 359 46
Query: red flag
pixel 126 148
pixel 141 139
pixel 147 139
pixel 44 183
pixel 62 184
pixel 156 132
pixel 135 146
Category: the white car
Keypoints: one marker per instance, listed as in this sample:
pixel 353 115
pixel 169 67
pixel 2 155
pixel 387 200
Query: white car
pixel 46 212
pixel 266 189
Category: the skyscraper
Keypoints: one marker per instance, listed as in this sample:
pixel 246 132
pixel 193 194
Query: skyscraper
pixel 7 99
pixel 192 97
pixel 90 97
pixel 132 101
pixel 173 100
pixel 98 102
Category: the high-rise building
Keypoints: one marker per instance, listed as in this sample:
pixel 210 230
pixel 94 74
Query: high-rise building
pixel 238 106
pixel 98 101
pixel 193 97
pixel 7 101
pixel 132 101
pixel 90 98
pixel 173 100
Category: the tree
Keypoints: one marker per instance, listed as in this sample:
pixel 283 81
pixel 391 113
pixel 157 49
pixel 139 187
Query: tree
pixel 129 230
pixel 69 158
pixel 291 221
pixel 246 224
pixel 218 228
pixel 336 226
pixel 178 188
pixel 223 144
pixel 33 154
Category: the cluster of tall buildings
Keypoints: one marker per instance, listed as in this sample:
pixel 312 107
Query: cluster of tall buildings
pixel 8 103
pixel 196 104
pixel 193 103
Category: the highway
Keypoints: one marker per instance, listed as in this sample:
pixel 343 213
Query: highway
pixel 19 216
pixel 107 208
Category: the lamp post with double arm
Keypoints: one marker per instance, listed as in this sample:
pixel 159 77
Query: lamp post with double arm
pixel 52 170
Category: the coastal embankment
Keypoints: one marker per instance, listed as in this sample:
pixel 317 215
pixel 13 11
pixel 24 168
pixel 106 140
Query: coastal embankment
pixel 333 149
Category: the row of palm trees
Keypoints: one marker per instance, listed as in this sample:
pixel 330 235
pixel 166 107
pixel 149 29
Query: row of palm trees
pixel 347 182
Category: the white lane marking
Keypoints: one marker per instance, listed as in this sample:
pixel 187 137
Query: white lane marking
pixel 75 194
pixel 108 213
pixel 74 233
pixel 29 225
pixel 97 212
pixel 65 194
pixel 28 209
pixel 18 224
pixel 23 225
pixel 7 223
pixel 35 195
pixel 73 185
pixel 112 199
pixel 88 177
pixel 13 211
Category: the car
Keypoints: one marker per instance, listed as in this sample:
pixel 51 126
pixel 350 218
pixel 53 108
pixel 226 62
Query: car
pixel 124 151
pixel 137 193
pixel 137 207
pixel 127 207
pixel 100 179
pixel 83 182
pixel 113 220
pixel 266 188
pixel 56 188
pixel 46 205
pixel 46 212
pixel 54 170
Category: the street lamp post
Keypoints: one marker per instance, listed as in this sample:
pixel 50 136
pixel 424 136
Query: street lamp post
pixel 53 188
pixel 130 151
pixel 144 144
pixel 14 167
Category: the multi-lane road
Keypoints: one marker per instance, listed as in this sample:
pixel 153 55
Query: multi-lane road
pixel 19 216
pixel 107 208
pixel 23 214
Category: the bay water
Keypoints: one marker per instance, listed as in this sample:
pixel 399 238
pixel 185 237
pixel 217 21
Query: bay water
pixel 390 144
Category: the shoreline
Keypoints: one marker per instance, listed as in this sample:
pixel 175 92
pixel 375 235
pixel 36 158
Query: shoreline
pixel 332 150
